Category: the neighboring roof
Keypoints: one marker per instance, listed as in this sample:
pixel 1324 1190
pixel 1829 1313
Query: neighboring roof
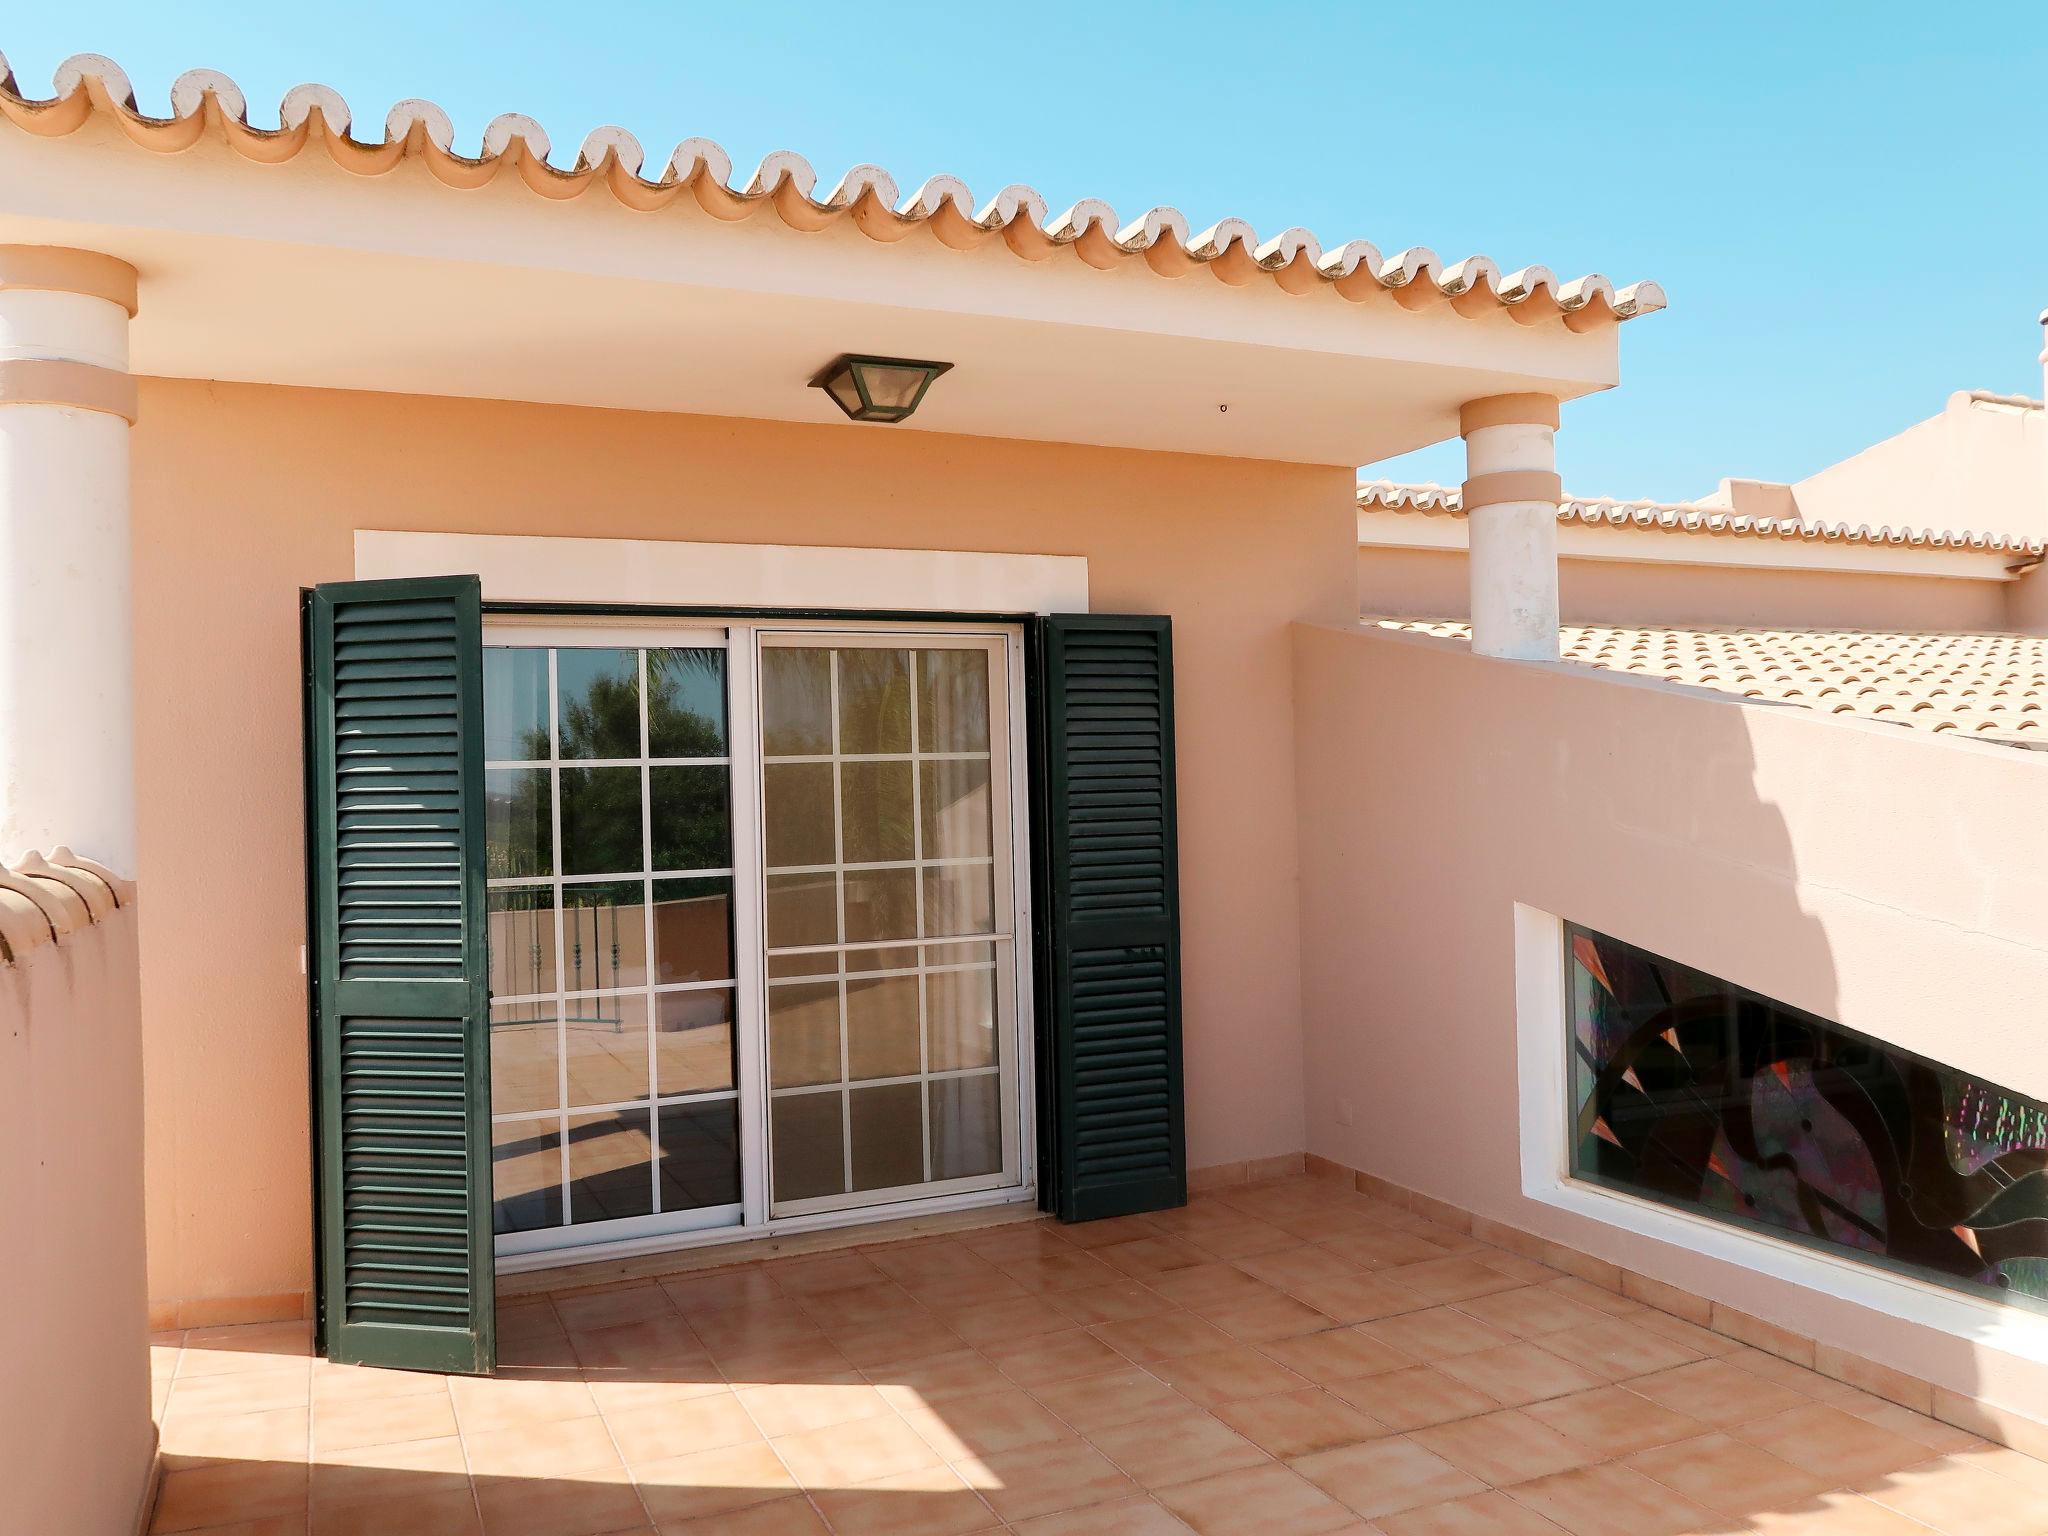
pixel 1991 687
pixel 1692 517
pixel 204 101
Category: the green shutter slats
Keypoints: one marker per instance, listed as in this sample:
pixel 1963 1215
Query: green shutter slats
pixel 398 907
pixel 1109 919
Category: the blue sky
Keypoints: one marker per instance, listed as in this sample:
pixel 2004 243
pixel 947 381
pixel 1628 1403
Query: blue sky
pixel 1846 203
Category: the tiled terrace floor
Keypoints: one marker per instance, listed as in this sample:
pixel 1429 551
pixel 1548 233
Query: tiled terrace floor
pixel 1275 1360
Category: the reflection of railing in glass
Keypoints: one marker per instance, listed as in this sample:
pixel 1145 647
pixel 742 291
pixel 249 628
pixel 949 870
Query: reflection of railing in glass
pixel 1701 1094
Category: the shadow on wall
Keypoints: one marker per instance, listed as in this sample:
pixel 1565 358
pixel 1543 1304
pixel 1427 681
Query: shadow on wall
pixel 1865 875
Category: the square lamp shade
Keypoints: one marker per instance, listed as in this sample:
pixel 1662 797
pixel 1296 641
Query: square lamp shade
pixel 877 388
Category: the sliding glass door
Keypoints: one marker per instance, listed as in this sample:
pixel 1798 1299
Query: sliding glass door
pixel 752 925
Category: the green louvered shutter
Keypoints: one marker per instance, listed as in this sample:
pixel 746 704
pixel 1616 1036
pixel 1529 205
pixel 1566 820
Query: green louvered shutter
pixel 1108 921
pixel 399 971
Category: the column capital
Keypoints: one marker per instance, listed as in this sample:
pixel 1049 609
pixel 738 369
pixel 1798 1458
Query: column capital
pixel 62 269
pixel 1523 410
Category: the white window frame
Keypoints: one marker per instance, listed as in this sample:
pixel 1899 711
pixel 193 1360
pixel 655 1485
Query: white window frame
pixel 1543 1038
pixel 753 1216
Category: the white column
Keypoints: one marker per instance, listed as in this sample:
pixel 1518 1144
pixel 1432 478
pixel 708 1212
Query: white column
pixel 67 691
pixel 1511 495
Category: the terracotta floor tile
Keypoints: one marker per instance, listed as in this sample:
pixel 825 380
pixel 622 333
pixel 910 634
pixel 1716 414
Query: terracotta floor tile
pixel 592 1502
pixel 961 1427
pixel 1097 1235
pixel 1505 1447
pixel 1151 1256
pixel 1613 1421
pixel 1281 1318
pixel 916 1335
pixel 1717 1393
pixel 791 1407
pixel 1124 1517
pixel 1729 1475
pixel 543 1450
pixel 284 1386
pixel 1045 1479
pixel 712 1482
pixel 793 1516
pixel 1383 1247
pixel 676 1429
pixel 1175 1448
pixel 845 1455
pixel 1608 1499
pixel 279 1435
pixel 624 1394
pixel 1519 1374
pixel 696 1294
pixel 452 1512
pixel 1700 1340
pixel 1619 1348
pixel 1530 1311
pixel 1436 1333
pixel 1116 1303
pixel 1299 1423
pixel 344 1383
pixel 2014 1466
pixel 1957 1499
pixel 1938 1437
pixel 1839 1445
pixel 1383 1477
pixel 1066 1271
pixel 587 1311
pixel 1336 1354
pixel 1451 1279
pixel 1518 1266
pixel 243 1347
pixel 1835 1514
pixel 1414 1398
pixel 862 1306
pixel 1598 1297
pixel 1213 1285
pixel 1014 1317
pixel 485 1403
pixel 953 1375
pixel 1482 1514
pixel 265 1525
pixel 1242 1237
pixel 386 1471
pixel 932 1501
pixel 197 1497
pixel 1090 1403
pixel 1052 1357
pixel 1359 1298
pixel 658 1341
pixel 1271 1500
pixel 1146 1339
pixel 817 1276
pixel 1223 1375
pixel 1288 1269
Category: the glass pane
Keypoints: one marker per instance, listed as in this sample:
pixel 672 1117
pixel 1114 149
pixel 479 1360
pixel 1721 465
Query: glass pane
pixel 952 701
pixel 808 1151
pixel 802 909
pixel 954 806
pixel 888 1135
pixel 601 821
pixel 893 958
pixel 526 1175
pixel 875 812
pixel 880 904
pixel 700 1155
pixel 796 701
pixel 967 1126
pixel 809 963
pixel 524 1048
pixel 874 701
pixel 796 811
pixel 686 702
pixel 960 1019
pixel 606 1041
pixel 881 1027
pixel 959 898
pixel 518 824
pixel 803 1033
pixel 522 941
pixel 693 1046
pixel 515 704
pixel 691 824
pixel 693 930
pixel 611 1171
pixel 604 934
pixel 1702 1094
pixel 600 702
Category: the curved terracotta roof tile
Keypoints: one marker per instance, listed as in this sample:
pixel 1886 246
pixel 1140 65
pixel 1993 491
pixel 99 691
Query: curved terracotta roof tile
pixel 1687 517
pixel 46 900
pixel 207 102
pixel 1990 686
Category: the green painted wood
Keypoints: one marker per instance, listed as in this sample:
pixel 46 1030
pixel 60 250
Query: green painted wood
pixel 400 973
pixel 1108 921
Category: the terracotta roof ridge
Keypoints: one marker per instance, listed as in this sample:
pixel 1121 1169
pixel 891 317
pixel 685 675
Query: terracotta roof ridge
pixel 1430 498
pixel 46 900
pixel 205 101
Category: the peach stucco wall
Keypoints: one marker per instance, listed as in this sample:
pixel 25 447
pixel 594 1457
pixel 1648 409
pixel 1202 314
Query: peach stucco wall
pixel 1431 584
pixel 75 1431
pixel 245 494
pixel 1887 879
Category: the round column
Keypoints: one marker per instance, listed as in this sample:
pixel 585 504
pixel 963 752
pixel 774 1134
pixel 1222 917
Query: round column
pixel 1511 494
pixel 67 689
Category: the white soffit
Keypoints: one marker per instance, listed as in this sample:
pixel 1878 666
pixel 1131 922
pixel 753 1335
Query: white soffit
pixel 518 568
